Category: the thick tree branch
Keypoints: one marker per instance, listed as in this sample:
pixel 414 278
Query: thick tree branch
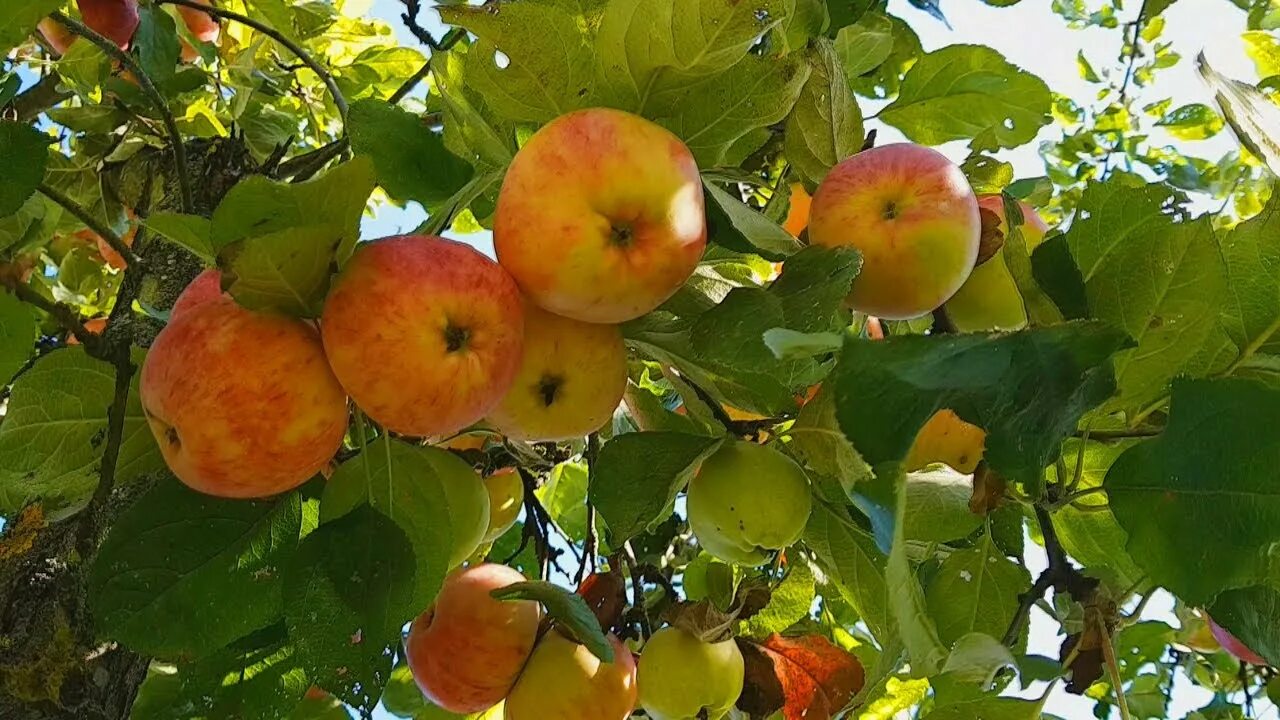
pixel 177 147
pixel 338 99
pixel 39 98
pixel 111 237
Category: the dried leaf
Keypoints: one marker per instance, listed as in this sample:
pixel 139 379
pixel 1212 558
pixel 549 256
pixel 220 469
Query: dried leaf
pixel 606 595
pixel 806 677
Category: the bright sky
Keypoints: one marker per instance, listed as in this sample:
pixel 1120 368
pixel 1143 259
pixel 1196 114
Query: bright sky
pixel 1030 35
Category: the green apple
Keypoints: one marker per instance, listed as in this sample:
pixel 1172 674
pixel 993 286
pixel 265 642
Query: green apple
pixel 680 676
pixel 468 500
pixel 746 500
pixel 989 299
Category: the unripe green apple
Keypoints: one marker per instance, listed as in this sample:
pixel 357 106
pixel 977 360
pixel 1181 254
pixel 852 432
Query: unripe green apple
pixel 746 500
pixel 989 299
pixel 468 500
pixel 682 677
pixel 911 213
pixel 506 497
pixel 564 681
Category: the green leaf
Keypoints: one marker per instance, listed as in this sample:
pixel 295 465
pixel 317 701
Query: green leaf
pixel 52 437
pixel 973 664
pixel 976 590
pixel 1264 49
pixel 471 130
pixel 969 91
pixel 1026 389
pixel 189 231
pixel 24 152
pixel 938 502
pixel 89 118
pixel 639 474
pixel 156 43
pixel 885 80
pixel 908 603
pixel 327 707
pixel 849 555
pixel 256 677
pixel 817 440
pixel 1252 614
pixel 733 224
pixel 1250 252
pixel 865 45
pixel 411 161
pixel 18 19
pixel 825 126
pixel 407 483
pixel 754 94
pixel 565 498
pixel 649 48
pixel 1157 277
pixel 790 602
pixel 402 697
pixel 347 593
pixel 286 271
pixel 160 582
pixel 550 68
pixel 1192 122
pixel 989 708
pixel 987 175
pixel 258 206
pixel 1206 470
pixel 18 334
pixel 567 608
pixel 1091 536
pixel 85 67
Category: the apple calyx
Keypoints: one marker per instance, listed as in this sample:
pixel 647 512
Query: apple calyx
pixel 710 624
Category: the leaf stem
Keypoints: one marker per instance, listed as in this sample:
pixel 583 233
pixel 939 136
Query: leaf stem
pixel 338 99
pixel 148 87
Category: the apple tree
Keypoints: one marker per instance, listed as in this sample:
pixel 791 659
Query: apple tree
pixel 750 413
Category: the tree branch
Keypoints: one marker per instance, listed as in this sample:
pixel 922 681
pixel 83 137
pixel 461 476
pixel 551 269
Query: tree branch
pixel 1059 575
pixel 410 18
pixel 303 55
pixel 591 544
pixel 308 164
pixel 64 314
pixel 39 98
pixel 177 147
pixel 111 237
pixel 637 590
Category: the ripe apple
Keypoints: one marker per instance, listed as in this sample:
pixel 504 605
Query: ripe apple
pixel 205 287
pixel 115 20
pixel 989 299
pixel 468 648
pixel 57 35
pixel 506 497
pixel 571 379
pixel 911 213
pixel 242 403
pixel 798 211
pixel 1232 644
pixel 747 499
pixel 564 681
pixel 681 676
pixel 203 26
pixel 945 438
pixel 424 333
pixel 627 227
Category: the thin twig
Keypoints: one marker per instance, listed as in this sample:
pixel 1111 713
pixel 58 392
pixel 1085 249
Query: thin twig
pixel 307 164
pixel 450 39
pixel 637 590
pixel 148 87
pixel 303 55
pixel 410 18
pixel 1113 668
pixel 1129 434
pixel 111 451
pixel 590 545
pixel 111 237
pixel 64 314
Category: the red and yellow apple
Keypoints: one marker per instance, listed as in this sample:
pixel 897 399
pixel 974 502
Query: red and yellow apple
pixel 571 379
pixel 564 681
pixel 506 497
pixel 115 20
pixel 747 500
pixel 945 438
pixel 203 26
pixel 424 333
pixel 468 648
pixel 680 676
pixel 242 403
pixel 1232 644
pixel 911 213
pixel 989 299
pixel 627 226
pixel 57 35
pixel 205 287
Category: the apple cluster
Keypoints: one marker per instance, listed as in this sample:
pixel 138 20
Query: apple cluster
pixel 470 652
pixel 118 20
